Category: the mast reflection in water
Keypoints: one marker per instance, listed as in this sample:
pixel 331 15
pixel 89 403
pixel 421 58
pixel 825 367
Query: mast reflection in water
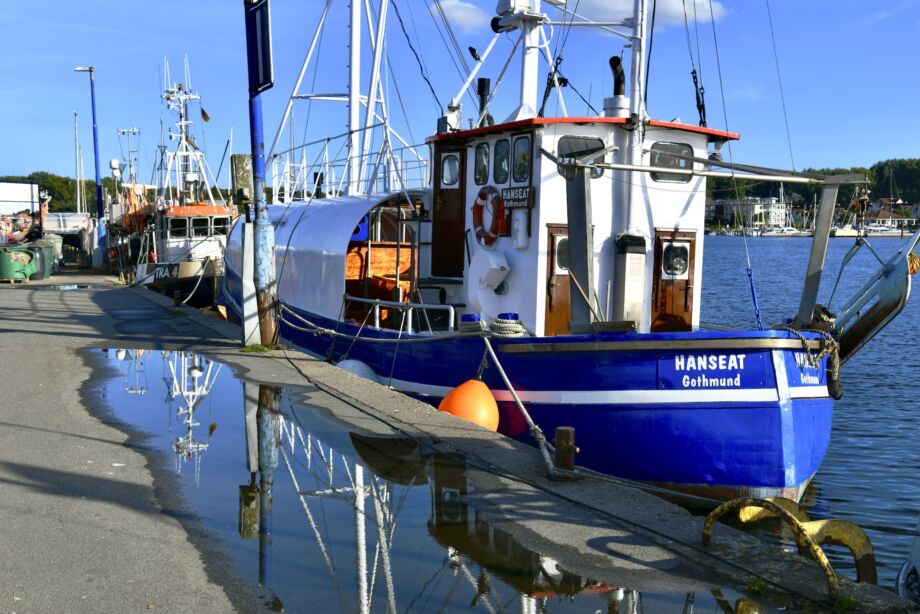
pixel 332 520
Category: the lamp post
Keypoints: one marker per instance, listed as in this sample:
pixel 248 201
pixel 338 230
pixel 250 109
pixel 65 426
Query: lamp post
pixel 99 250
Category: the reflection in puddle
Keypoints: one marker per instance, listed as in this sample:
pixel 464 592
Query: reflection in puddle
pixel 66 287
pixel 332 520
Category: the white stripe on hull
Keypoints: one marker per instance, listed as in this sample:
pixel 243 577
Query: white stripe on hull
pixel 627 397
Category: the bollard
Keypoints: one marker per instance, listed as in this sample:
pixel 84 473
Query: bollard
pixel 565 448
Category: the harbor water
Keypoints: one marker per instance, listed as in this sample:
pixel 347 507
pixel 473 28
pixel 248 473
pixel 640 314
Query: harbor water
pixel 870 474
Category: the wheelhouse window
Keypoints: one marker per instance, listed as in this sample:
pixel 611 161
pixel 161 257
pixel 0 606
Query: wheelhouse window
pixel 562 255
pixel 500 164
pixel 579 146
pixel 221 225
pixel 521 169
pixel 178 228
pixel 200 226
pixel 663 155
pixel 450 169
pixel 481 165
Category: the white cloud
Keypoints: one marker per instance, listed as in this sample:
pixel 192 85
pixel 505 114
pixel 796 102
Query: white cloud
pixel 463 15
pixel 668 11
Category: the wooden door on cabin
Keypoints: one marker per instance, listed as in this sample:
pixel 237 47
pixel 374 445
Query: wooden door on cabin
pixel 448 220
pixel 672 286
pixel 558 300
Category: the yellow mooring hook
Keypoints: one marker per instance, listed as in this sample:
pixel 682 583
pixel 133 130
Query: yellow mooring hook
pixel 809 535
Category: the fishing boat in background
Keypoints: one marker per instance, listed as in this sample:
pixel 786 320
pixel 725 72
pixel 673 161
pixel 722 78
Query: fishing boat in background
pixel 180 236
pixel 572 246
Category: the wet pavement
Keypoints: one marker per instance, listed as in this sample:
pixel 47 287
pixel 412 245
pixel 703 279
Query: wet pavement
pixel 100 517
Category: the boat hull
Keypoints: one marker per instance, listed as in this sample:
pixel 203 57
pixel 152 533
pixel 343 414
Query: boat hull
pixel 717 414
pixel 195 283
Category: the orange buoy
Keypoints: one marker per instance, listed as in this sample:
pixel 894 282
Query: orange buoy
pixel 473 401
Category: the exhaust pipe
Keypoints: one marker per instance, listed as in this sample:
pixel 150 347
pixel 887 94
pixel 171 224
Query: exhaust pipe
pixel 618 104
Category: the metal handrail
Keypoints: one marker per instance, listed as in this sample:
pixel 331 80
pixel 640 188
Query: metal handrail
pixel 410 307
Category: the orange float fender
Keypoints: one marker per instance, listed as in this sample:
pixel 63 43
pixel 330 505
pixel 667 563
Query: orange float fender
pixel 499 226
pixel 473 401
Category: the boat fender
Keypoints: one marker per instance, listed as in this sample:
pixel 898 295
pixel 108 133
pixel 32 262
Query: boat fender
pixel 359 368
pixel 499 226
pixel 473 401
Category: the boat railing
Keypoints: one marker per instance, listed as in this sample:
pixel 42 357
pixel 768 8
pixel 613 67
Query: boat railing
pixel 408 308
pixel 323 167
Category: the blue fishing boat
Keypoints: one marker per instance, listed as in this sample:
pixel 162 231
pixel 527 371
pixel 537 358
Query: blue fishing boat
pixel 566 254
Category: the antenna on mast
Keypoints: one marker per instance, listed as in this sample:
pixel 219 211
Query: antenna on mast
pixel 188 75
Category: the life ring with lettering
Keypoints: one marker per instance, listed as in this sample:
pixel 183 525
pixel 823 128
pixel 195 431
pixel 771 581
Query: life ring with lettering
pixel 499 225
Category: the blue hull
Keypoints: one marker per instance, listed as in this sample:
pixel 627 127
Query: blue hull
pixel 713 420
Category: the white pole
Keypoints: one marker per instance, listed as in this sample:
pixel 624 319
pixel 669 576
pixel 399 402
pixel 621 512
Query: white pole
pixel 360 537
pixel 373 89
pixel 530 58
pixel 303 72
pixel 637 95
pixel 354 96
pixel 76 162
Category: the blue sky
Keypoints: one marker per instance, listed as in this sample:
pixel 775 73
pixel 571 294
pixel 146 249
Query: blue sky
pixel 848 73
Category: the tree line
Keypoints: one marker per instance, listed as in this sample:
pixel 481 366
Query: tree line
pixel 63 190
pixel 896 178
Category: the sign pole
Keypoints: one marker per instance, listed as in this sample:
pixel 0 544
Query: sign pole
pixel 258 51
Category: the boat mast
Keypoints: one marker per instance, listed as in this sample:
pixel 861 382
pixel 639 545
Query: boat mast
pixel 354 98
pixel 630 297
pixel 637 72
pixel 530 59
pixel 636 212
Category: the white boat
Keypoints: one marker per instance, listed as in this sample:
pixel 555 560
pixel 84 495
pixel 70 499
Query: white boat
pixel 183 234
pixel 784 231
pixel 847 230
pixel 882 230
pixel 559 259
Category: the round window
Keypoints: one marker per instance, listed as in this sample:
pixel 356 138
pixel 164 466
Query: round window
pixel 676 259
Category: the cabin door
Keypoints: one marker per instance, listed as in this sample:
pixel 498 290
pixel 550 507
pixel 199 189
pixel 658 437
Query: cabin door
pixel 672 287
pixel 448 222
pixel 558 301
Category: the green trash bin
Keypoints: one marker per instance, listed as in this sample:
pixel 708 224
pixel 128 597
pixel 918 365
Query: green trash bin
pixel 16 263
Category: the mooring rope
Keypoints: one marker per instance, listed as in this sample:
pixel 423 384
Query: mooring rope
pixel 830 348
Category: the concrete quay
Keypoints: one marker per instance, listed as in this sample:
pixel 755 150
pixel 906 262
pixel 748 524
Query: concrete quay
pixel 92 521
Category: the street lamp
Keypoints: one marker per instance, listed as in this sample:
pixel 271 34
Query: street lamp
pixel 99 250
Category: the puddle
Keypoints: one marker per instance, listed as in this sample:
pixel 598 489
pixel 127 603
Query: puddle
pixel 68 287
pixel 330 520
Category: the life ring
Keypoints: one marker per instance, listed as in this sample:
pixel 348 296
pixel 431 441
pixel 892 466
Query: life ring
pixel 499 226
